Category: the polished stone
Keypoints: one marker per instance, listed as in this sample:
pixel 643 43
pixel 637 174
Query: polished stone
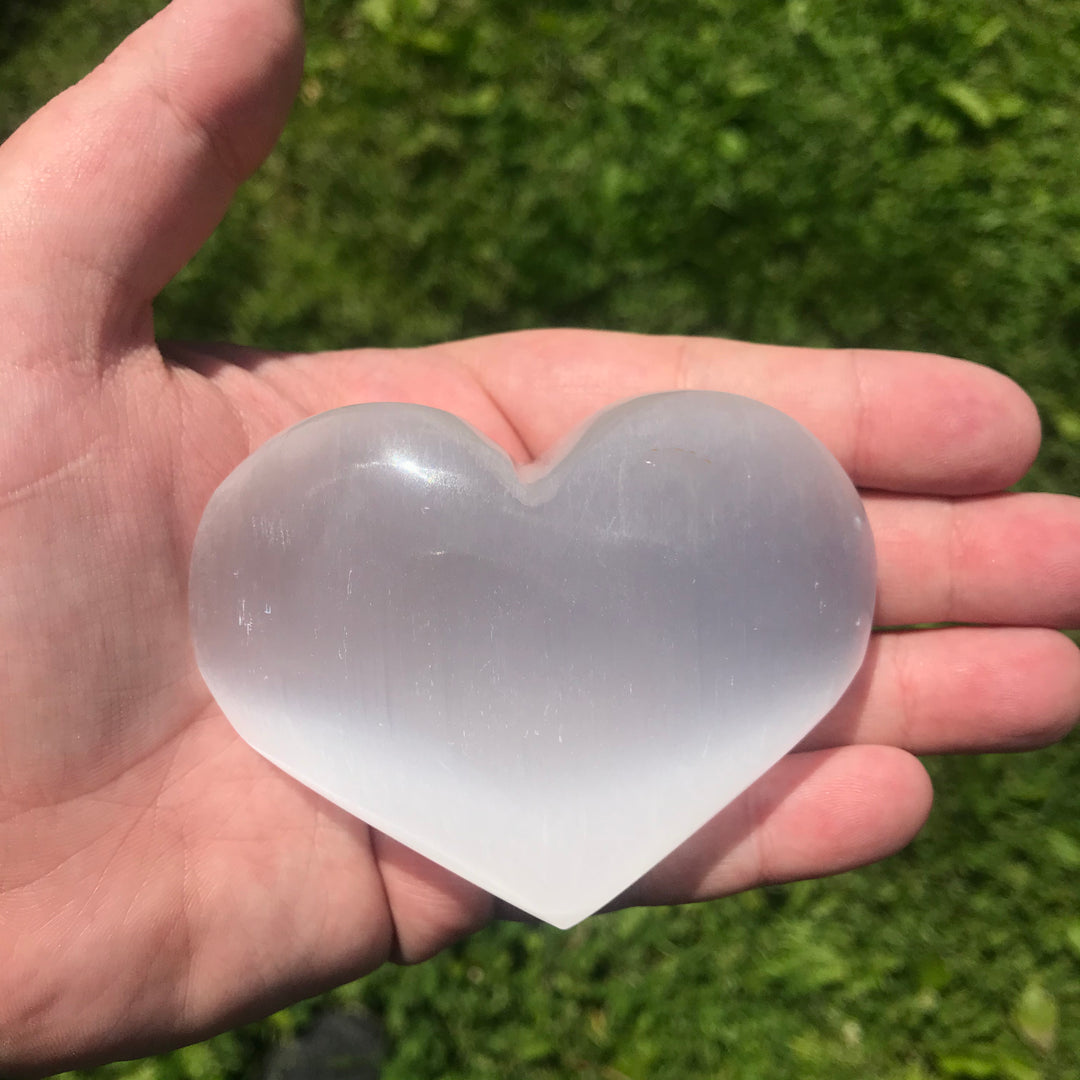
pixel 543 682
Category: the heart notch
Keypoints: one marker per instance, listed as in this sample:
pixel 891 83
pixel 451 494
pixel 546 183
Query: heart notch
pixel 544 682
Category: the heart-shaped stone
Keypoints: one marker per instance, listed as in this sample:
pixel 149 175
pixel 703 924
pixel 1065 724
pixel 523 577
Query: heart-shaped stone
pixel 544 682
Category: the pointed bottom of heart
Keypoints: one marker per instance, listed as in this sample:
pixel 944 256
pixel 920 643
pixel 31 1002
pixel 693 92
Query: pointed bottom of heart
pixel 561 850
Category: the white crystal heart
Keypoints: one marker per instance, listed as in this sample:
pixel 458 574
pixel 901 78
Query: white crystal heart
pixel 543 684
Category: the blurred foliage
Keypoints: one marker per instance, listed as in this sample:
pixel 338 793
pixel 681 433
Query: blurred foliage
pixel 893 174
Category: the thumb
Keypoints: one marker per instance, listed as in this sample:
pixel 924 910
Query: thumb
pixel 109 189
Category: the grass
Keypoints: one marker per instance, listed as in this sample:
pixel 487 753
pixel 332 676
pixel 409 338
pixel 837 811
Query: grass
pixel 891 174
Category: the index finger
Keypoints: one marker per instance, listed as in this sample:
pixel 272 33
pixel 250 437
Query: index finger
pixel 897 421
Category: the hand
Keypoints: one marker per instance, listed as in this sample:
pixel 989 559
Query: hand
pixel 160 881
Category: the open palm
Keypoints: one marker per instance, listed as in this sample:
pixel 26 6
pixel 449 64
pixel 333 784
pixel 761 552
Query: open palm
pixel 159 880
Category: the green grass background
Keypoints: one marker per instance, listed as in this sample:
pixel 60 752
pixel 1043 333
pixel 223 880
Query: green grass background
pixel 900 174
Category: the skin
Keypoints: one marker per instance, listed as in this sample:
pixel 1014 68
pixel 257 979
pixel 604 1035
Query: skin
pixel 158 880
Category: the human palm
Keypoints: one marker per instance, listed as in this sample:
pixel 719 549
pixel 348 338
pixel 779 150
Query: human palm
pixel 158 879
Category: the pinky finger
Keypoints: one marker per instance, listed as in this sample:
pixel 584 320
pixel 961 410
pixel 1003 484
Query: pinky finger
pixel 813 814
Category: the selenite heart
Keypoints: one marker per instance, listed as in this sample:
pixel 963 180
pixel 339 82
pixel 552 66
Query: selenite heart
pixel 545 682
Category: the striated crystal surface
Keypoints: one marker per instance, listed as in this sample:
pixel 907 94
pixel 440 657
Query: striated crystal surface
pixel 543 682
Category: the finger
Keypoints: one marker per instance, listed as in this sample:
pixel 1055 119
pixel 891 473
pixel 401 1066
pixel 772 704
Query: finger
pixel 290 386
pixel 811 815
pixel 108 190
pixel 961 690
pixel 1012 559
pixel 431 906
pixel 896 421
